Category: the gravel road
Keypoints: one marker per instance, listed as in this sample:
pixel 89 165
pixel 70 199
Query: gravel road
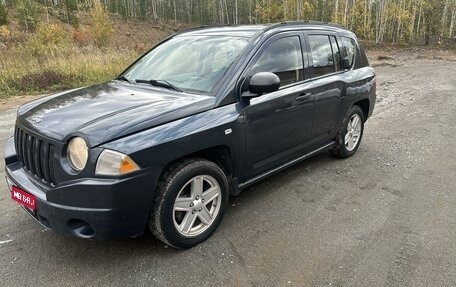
pixel 385 217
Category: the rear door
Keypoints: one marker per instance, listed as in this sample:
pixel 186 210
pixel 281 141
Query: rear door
pixel 329 83
pixel 278 124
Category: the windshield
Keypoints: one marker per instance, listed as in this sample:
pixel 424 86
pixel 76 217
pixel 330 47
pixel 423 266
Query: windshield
pixel 190 63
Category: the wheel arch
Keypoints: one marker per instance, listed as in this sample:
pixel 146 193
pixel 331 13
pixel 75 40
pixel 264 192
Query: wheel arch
pixel 221 155
pixel 364 105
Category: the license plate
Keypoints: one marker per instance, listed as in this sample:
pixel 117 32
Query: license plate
pixel 24 198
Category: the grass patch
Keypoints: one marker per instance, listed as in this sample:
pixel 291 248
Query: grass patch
pixel 22 72
pixel 56 56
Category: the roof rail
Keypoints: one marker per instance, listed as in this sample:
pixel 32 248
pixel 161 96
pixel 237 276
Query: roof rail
pixel 267 28
pixel 304 22
pixel 203 27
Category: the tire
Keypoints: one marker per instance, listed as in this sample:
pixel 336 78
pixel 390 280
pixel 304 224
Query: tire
pixel 189 203
pixel 349 137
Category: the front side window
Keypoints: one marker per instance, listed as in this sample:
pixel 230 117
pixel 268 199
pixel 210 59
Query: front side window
pixel 282 57
pixel 191 63
pixel 322 55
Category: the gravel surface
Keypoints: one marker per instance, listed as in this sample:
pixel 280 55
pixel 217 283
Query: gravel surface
pixel 385 217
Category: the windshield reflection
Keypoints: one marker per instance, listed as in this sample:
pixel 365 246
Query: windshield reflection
pixel 191 63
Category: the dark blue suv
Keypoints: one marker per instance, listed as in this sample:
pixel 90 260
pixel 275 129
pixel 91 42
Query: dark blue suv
pixel 202 115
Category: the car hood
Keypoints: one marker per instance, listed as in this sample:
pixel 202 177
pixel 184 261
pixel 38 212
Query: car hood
pixel 108 111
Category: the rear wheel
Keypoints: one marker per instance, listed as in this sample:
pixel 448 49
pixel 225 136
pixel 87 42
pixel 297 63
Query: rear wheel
pixel 189 203
pixel 349 137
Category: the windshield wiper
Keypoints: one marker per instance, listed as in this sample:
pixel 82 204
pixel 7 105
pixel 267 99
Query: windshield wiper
pixel 123 78
pixel 160 83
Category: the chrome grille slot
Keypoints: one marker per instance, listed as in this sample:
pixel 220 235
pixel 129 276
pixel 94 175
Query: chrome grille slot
pixel 35 155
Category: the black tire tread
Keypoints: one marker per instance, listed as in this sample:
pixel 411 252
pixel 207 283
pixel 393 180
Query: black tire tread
pixel 163 188
pixel 337 151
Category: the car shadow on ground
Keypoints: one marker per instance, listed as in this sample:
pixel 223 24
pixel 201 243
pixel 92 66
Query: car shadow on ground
pixel 79 250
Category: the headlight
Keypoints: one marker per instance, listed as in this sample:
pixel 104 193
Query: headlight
pixel 77 153
pixel 114 163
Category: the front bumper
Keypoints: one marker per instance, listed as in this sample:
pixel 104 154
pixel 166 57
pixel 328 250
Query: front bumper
pixel 95 208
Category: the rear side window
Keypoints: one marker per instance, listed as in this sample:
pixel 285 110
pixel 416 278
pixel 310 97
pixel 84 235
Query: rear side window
pixel 360 58
pixel 348 50
pixel 353 51
pixel 282 57
pixel 324 60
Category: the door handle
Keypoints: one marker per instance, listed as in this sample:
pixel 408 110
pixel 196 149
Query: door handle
pixel 304 97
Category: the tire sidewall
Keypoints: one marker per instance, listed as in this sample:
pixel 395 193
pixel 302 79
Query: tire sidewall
pixel 180 178
pixel 342 148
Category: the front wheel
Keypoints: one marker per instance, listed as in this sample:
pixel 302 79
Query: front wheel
pixel 349 137
pixel 189 203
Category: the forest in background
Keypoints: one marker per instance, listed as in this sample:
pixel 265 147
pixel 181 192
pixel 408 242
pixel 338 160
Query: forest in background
pixel 390 21
pixel 50 45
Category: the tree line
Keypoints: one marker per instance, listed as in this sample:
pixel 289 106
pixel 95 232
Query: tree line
pixel 391 21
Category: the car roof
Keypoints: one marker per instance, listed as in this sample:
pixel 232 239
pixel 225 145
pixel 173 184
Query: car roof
pixel 252 30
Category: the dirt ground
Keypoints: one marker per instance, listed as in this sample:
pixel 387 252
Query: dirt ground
pixel 385 217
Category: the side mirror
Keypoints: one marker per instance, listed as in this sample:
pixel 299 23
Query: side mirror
pixel 262 83
pixel 346 64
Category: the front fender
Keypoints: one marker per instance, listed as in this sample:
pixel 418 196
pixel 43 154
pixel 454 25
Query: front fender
pixel 156 147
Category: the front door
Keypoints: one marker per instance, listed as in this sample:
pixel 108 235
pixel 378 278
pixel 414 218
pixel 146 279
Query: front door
pixel 278 124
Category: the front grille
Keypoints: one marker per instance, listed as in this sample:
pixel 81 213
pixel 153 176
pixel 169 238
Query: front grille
pixel 35 155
